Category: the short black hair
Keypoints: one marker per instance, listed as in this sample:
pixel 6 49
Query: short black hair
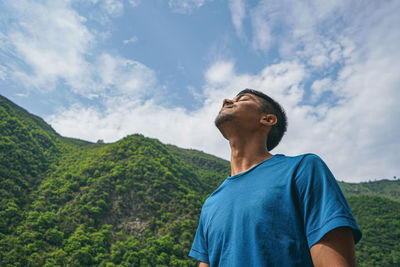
pixel 272 107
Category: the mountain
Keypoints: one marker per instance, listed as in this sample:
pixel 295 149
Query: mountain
pixel 384 188
pixel 27 144
pixel 135 202
pixel 379 220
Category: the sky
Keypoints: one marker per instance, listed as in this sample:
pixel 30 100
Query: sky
pixel 105 69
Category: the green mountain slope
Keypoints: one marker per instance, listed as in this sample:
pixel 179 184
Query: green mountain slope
pixel 384 188
pixel 379 220
pixel 135 202
pixel 210 169
pixel 27 146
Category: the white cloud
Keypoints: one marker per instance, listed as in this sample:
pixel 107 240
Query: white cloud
pixel 319 87
pixel 133 39
pixel 127 77
pixel 114 8
pixel 220 72
pixel 57 46
pixel 52 41
pixel 103 11
pixel 262 39
pixel 312 31
pixel 22 95
pixel 185 6
pixel 134 3
pixel 3 74
pixel 238 11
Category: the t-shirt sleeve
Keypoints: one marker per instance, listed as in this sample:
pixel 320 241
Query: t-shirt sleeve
pixel 321 201
pixel 199 246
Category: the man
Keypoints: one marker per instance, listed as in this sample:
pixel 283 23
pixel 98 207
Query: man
pixel 273 210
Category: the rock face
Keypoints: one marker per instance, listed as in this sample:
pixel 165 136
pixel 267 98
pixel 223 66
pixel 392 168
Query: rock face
pixel 133 226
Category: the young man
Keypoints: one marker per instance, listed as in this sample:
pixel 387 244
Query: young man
pixel 273 210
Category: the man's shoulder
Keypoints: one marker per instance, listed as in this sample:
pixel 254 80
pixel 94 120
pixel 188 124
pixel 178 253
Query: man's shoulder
pixel 302 158
pixel 311 159
pixel 303 162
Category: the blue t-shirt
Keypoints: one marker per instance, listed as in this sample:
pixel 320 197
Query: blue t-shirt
pixel 271 214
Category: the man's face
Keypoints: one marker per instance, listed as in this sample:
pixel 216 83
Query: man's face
pixel 245 109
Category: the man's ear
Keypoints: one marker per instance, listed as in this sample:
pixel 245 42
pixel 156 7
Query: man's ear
pixel 269 120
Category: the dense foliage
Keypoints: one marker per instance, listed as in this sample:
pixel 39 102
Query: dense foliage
pixel 379 220
pixel 136 202
pixel 384 188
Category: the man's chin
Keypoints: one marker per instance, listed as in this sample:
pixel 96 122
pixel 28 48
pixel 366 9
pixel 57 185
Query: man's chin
pixel 222 118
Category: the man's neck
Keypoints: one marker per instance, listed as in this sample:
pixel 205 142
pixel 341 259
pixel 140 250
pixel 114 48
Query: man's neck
pixel 246 153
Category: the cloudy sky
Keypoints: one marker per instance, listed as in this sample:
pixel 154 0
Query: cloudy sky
pixel 103 69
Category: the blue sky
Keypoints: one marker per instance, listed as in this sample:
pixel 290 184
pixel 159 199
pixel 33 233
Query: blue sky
pixel 103 69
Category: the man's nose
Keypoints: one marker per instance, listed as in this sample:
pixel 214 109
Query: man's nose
pixel 227 102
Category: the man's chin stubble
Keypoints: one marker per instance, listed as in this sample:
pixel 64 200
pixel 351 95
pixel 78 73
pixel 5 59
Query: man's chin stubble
pixel 221 118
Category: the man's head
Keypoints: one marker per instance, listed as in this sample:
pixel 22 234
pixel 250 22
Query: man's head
pixel 255 104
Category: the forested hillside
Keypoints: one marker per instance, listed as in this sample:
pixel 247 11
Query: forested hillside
pixel 384 188
pixel 135 202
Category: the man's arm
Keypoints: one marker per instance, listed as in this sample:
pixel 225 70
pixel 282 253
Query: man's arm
pixel 335 249
pixel 203 264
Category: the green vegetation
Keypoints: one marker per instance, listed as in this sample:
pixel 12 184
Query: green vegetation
pixel 383 188
pixel 379 220
pixel 135 202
